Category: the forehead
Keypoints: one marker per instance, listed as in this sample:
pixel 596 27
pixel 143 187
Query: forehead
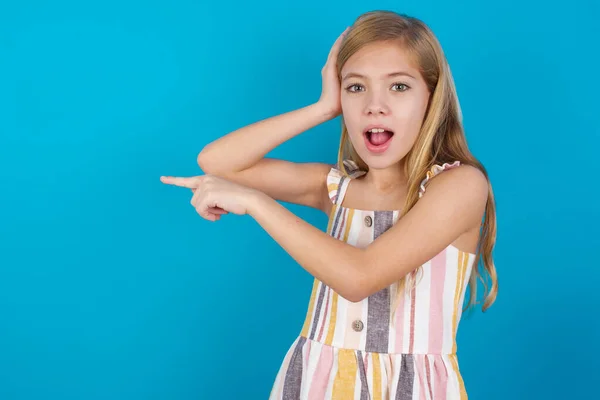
pixel 380 58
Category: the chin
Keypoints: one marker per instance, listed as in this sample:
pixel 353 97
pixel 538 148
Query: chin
pixel 380 159
pixel 379 162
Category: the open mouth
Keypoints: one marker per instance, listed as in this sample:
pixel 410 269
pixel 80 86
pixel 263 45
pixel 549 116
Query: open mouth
pixel 378 140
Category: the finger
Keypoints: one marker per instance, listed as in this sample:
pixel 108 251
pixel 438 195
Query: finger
pixel 203 211
pixel 337 43
pixel 199 202
pixel 187 182
pixel 212 216
pixel 196 198
pixel 217 210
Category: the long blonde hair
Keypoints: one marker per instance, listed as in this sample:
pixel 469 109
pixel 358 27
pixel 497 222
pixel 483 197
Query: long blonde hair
pixel 441 138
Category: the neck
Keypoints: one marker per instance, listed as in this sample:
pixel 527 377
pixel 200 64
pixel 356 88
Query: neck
pixel 387 180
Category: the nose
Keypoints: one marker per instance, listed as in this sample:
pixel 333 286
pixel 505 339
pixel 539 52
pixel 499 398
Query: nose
pixel 376 104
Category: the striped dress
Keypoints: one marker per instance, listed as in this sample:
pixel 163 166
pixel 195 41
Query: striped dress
pixel 360 351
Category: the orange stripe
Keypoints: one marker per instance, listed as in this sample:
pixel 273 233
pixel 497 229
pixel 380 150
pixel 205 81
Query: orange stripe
pixel 345 379
pixel 376 377
pixel 311 304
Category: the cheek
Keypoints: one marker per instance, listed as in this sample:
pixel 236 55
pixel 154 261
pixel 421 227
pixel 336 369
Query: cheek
pixel 349 106
pixel 351 112
pixel 410 113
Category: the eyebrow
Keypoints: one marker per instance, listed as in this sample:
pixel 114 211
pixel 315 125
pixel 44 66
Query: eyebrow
pixel 392 75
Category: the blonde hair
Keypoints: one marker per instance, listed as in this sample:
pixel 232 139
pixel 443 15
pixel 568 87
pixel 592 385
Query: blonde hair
pixel 441 138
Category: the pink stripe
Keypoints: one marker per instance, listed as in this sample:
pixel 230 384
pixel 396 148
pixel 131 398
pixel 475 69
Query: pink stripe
pixel 440 376
pixel 422 375
pixel 436 303
pixel 428 377
pixel 399 315
pixel 318 384
pixel 413 300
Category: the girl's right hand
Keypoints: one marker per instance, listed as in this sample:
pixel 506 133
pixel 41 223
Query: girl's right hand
pixel 330 94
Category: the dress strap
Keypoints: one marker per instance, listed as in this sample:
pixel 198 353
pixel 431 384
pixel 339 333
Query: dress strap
pixel 433 171
pixel 337 181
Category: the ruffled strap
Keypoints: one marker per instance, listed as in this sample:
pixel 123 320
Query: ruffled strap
pixel 433 171
pixel 337 181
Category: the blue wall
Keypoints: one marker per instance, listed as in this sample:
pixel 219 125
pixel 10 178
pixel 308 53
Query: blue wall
pixel 111 287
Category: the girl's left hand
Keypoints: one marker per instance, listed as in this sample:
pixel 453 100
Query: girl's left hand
pixel 214 196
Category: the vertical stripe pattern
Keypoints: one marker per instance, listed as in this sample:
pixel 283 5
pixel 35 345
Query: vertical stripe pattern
pixel 379 303
pixel 363 351
pixel 293 377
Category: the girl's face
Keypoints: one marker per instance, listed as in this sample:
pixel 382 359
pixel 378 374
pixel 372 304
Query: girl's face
pixel 384 99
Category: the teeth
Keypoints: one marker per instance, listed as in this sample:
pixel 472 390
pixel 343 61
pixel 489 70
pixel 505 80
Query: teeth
pixel 377 130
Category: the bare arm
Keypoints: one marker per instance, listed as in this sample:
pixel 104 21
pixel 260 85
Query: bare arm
pixel 240 155
pixel 245 147
pixel 453 205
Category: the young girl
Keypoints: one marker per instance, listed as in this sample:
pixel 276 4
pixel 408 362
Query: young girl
pixel 411 214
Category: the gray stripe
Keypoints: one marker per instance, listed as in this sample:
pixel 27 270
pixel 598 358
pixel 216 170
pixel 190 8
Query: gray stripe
pixel 364 387
pixel 293 376
pixel 406 379
pixel 378 317
pixel 317 311
pixel 382 221
pixel 338 201
pixel 335 222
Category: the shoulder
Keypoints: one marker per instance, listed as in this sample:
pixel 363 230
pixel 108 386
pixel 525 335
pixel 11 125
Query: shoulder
pixel 455 177
pixel 461 189
pixel 338 176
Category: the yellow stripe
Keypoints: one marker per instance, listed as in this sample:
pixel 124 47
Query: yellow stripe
pixel 376 377
pixel 463 275
pixel 331 218
pixel 348 224
pixel 309 315
pixel 332 319
pixel 332 187
pixel 334 299
pixel 456 297
pixel 461 383
pixel 345 379
pixel 462 263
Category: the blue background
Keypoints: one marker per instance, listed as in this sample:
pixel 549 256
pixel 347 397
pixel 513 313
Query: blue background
pixel 111 287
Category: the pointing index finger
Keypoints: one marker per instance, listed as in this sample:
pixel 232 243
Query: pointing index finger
pixel 187 182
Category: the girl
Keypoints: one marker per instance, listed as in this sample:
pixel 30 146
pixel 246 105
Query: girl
pixel 411 214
